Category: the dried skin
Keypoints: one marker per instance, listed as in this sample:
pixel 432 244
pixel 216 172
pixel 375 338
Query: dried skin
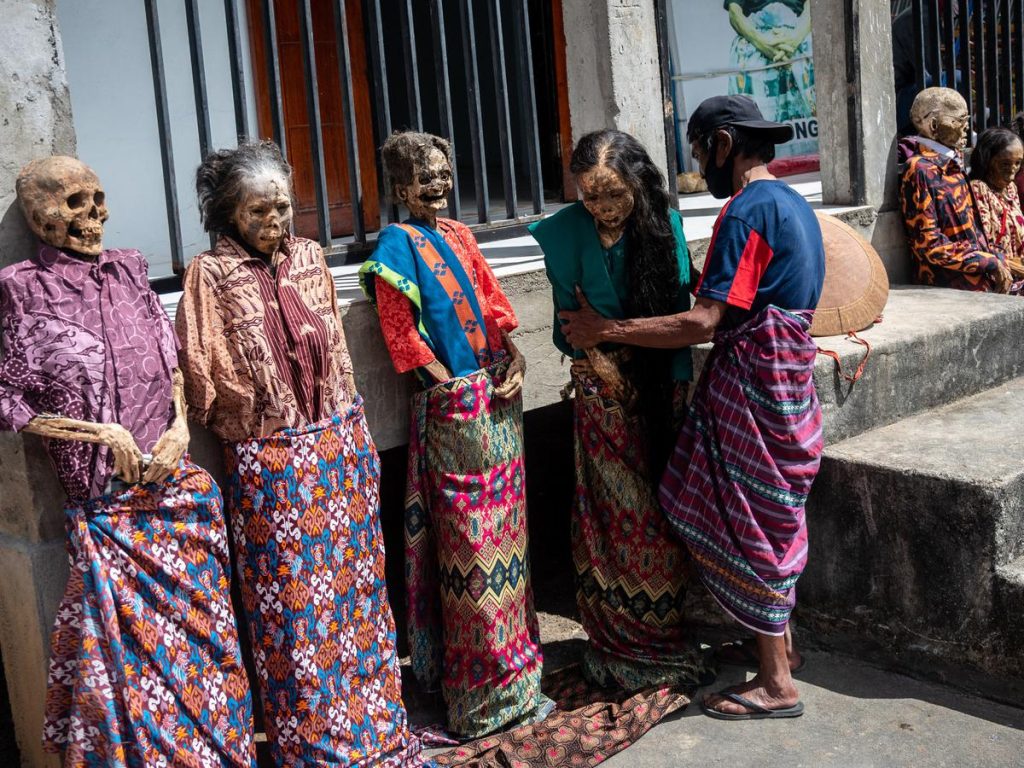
pixel 940 114
pixel 427 194
pixel 264 214
pixel 63 204
pixel 609 200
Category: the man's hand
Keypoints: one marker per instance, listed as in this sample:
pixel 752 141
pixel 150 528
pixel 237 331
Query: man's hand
pixel 584 328
pixel 513 383
pixel 167 452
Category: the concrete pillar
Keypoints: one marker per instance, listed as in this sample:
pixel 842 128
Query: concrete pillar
pixel 611 49
pixel 36 122
pixel 856 103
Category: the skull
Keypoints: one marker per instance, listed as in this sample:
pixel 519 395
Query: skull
pixel 63 203
pixel 940 114
pixel 427 193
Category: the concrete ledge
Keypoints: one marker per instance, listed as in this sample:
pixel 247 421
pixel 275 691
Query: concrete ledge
pixel 914 527
pixel 933 346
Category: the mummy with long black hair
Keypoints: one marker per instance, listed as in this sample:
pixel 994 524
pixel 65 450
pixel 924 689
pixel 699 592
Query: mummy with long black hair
pixel 626 194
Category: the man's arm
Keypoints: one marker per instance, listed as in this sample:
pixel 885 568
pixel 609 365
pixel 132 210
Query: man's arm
pixel 586 328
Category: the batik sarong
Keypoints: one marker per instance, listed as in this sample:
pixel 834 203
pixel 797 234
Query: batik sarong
pixel 737 483
pixel 305 517
pixel 589 726
pixel 145 666
pixel 472 626
pixel 630 567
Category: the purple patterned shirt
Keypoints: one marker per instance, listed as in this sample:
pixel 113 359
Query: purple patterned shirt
pixel 89 341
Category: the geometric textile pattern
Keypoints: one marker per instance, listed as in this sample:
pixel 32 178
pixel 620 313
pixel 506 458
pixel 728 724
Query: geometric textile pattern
pixel 747 455
pixel 305 517
pixel 590 725
pixel 631 571
pixel 472 626
pixel 145 666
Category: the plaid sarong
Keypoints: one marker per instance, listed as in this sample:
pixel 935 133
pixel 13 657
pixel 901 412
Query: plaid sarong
pixel 305 516
pixel 472 626
pixel 145 667
pixel 737 483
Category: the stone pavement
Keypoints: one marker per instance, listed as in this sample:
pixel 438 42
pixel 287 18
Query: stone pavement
pixel 857 716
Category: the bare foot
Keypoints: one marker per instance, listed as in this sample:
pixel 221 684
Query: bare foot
pixel 757 691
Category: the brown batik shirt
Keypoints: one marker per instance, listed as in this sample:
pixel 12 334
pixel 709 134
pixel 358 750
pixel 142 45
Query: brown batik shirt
pixel 262 348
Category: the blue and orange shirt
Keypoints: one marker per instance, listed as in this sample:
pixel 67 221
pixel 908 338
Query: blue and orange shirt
pixel 766 250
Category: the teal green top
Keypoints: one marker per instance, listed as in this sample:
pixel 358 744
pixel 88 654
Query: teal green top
pixel 573 255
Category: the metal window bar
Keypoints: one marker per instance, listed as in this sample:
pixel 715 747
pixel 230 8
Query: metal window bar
pixel 382 106
pixel 274 74
pixel 949 45
pixel 323 216
pixel 1006 54
pixel 348 109
pixel 966 75
pixel 1018 58
pixel 919 43
pixel 476 130
pixel 992 42
pixel 661 11
pixel 516 110
pixel 980 81
pixel 501 99
pixel 444 95
pixel 237 72
pixel 164 130
pixel 195 52
pixel 412 69
pixel 934 44
pixel 528 100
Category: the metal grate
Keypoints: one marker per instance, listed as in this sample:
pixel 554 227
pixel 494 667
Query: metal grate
pixel 440 47
pixel 977 47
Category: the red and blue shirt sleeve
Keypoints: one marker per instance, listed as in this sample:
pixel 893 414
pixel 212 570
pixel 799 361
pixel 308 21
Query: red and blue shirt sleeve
pixel 736 262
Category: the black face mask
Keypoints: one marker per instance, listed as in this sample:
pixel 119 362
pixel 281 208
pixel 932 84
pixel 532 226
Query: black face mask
pixel 719 179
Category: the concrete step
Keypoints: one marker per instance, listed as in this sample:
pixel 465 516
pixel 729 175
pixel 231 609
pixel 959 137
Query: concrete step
pixel 934 346
pixel 917 530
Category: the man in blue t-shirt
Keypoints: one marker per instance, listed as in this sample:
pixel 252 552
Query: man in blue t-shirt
pixel 736 485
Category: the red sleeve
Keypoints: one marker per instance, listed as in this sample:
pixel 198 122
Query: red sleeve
pixel 489 288
pixel 397 323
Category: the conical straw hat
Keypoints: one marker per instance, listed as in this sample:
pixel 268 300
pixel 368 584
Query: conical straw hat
pixel 856 285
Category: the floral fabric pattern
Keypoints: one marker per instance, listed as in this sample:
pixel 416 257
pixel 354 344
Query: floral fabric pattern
pixel 306 522
pixel 145 667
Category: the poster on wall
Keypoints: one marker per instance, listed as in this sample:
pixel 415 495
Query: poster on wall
pixel 761 48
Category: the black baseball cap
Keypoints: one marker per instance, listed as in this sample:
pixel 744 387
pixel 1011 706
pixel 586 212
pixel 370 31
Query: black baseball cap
pixel 737 110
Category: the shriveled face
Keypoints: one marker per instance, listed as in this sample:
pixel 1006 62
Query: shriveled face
pixel 1003 168
pixel 64 204
pixel 941 114
pixel 427 194
pixel 607 197
pixel 264 213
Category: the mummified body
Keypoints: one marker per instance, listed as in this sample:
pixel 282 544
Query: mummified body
pixel 444 315
pixel 89 363
pixel 267 369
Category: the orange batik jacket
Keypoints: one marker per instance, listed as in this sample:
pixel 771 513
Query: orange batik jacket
pixel 944 234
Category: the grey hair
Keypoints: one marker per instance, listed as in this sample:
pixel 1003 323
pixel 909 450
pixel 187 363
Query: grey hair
pixel 222 178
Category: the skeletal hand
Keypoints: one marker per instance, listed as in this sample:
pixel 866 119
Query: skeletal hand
pixel 127 456
pixel 437 370
pixel 167 452
pixel 513 383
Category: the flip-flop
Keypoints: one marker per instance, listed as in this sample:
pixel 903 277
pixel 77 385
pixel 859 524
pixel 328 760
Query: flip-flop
pixel 743 655
pixel 757 711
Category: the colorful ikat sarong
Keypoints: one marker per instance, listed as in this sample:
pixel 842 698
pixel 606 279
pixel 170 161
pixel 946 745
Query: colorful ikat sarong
pixel 145 667
pixel 630 567
pixel 306 522
pixel 736 485
pixel 472 625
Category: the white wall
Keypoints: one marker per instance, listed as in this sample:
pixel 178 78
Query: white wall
pixel 106 48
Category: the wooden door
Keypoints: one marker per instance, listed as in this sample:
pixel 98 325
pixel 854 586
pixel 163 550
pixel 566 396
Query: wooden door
pixel 296 114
